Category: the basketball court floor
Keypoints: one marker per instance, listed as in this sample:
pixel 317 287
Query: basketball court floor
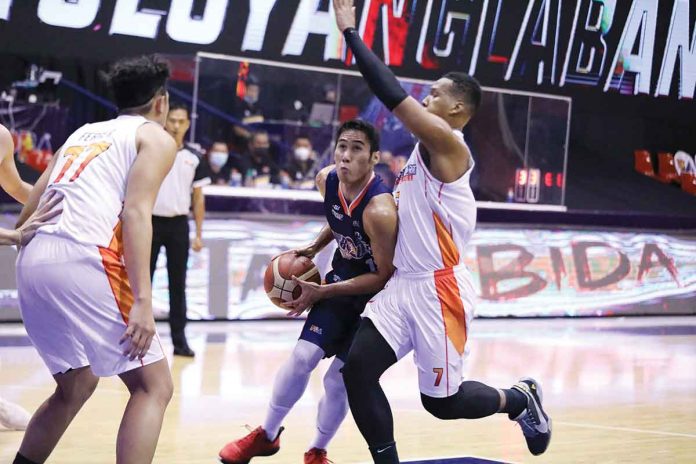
pixel 620 390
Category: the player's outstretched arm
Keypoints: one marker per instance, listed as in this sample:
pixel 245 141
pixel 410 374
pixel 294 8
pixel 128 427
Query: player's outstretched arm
pixel 9 237
pixel 44 215
pixel 156 152
pixel 432 131
pixel 9 177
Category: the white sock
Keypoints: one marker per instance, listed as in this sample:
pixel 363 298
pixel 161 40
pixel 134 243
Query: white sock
pixel 290 383
pixel 13 416
pixel 333 406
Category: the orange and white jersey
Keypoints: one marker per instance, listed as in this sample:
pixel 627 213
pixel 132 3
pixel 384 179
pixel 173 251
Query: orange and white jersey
pixel 436 219
pixel 91 174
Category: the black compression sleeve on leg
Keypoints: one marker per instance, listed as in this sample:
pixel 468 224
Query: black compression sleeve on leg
pixel 378 76
pixel 19 459
pixel 370 355
pixel 473 401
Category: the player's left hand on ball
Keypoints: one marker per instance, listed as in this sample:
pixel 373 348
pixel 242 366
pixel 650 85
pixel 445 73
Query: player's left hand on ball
pixel 140 331
pixel 311 293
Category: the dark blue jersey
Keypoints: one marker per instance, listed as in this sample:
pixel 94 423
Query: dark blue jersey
pixel 354 254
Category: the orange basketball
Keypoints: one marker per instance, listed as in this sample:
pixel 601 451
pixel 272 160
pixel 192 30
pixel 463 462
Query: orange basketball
pixel 277 280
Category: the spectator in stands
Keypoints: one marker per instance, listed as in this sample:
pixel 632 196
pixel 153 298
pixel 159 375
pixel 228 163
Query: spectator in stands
pixel 248 110
pixel 330 94
pixel 301 162
pixel 219 164
pixel 258 166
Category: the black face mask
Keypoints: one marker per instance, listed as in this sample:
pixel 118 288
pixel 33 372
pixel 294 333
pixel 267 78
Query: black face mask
pixel 260 152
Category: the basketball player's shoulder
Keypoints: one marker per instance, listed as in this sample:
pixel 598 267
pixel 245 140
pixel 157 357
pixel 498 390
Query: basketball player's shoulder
pixel 322 175
pixel 381 207
pixel 152 134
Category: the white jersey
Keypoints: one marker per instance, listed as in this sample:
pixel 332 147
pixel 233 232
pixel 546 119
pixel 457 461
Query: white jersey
pixel 436 219
pixel 174 197
pixel 91 174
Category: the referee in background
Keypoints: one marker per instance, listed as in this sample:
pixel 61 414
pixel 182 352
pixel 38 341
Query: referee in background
pixel 170 226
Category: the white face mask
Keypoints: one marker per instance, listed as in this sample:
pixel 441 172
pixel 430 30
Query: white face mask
pixel 218 158
pixel 302 153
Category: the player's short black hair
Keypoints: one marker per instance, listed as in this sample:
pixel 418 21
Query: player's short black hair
pixel 364 127
pixel 134 81
pixel 180 106
pixel 465 87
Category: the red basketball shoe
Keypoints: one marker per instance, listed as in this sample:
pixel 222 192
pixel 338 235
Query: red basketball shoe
pixel 254 444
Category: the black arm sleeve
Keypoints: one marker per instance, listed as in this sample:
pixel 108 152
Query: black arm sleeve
pixel 378 76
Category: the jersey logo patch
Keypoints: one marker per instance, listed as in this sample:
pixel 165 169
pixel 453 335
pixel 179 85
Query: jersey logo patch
pixel 352 249
pixel 337 215
pixel 407 174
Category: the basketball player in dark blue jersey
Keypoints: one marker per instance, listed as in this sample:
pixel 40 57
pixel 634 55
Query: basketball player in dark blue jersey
pixel 362 218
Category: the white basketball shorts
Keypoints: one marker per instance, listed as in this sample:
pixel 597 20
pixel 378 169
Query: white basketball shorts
pixel 429 313
pixel 75 300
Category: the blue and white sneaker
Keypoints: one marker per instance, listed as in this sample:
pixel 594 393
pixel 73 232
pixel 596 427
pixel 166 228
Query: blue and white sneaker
pixel 535 423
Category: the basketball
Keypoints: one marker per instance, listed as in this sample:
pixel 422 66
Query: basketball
pixel 278 282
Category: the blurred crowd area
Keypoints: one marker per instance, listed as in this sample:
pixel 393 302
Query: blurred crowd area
pixel 268 127
pixel 262 162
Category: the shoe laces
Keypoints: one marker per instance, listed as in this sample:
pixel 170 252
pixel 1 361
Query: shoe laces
pixel 251 436
pixel 529 425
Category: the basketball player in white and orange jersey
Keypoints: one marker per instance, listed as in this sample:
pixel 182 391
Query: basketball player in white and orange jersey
pixel 428 304
pixel 84 282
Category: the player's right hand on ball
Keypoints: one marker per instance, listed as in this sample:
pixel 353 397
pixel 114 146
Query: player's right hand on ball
pixel 140 331
pixel 308 251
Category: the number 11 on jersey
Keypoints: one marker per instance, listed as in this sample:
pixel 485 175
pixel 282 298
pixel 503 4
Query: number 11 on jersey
pixel 86 153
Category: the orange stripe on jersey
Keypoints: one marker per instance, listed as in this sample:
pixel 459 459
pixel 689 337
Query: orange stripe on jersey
pixel 344 204
pixel 448 250
pixel 452 307
pixel 116 273
pixel 354 204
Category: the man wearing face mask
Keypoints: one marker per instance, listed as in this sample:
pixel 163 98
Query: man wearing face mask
pixel 301 161
pixel 170 226
pixel 219 163
pixel 260 167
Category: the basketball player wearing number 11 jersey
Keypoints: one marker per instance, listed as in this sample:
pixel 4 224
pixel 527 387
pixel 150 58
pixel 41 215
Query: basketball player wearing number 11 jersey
pixel 84 282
